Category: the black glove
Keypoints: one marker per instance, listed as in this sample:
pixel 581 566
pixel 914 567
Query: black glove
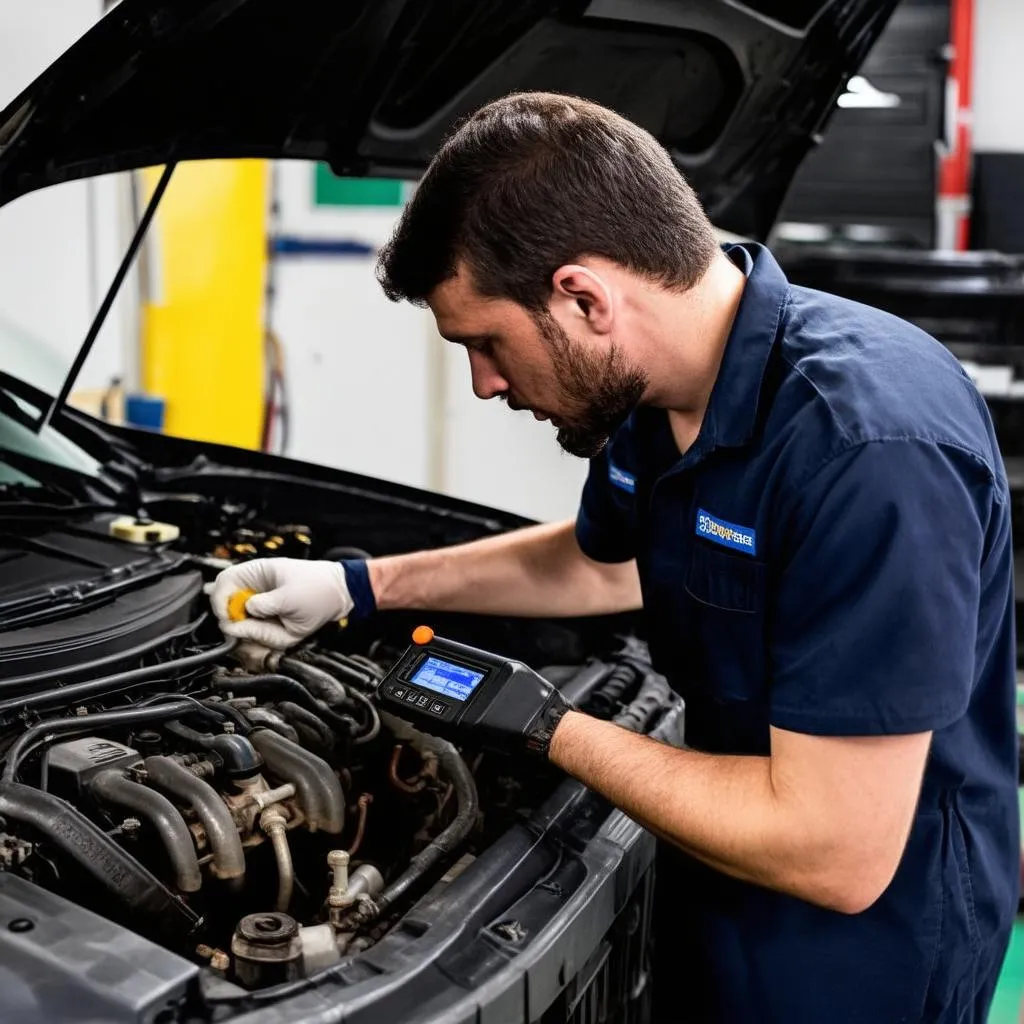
pixel 521 717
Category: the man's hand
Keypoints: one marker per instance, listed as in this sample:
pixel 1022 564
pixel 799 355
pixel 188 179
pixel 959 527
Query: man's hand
pixel 825 819
pixel 294 598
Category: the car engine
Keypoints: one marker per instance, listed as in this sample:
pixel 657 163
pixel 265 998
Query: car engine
pixel 267 821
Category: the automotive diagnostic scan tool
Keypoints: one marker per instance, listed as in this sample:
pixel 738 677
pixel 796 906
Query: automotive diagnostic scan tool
pixel 453 690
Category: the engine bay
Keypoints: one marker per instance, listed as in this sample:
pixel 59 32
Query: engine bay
pixel 263 822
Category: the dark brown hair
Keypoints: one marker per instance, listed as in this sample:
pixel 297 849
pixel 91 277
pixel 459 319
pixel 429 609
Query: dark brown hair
pixel 536 180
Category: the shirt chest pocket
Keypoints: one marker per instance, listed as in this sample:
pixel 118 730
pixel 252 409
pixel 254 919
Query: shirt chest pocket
pixel 726 644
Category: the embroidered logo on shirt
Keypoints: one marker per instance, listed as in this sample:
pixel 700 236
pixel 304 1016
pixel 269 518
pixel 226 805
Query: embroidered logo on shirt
pixel 621 479
pixel 741 538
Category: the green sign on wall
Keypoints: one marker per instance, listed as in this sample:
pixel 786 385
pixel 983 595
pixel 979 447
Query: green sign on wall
pixel 330 190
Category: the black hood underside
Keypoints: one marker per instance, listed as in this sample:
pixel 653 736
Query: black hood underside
pixel 737 91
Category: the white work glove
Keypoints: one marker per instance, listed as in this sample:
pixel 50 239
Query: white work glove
pixel 293 599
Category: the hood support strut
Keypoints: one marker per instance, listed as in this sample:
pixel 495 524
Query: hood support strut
pixel 108 300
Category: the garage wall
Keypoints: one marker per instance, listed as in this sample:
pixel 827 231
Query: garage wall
pixel 374 388
pixel 58 248
pixel 998 76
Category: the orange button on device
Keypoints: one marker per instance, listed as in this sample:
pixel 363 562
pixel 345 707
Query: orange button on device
pixel 422 635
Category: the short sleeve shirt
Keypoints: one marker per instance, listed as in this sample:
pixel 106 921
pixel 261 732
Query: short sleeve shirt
pixel 833 556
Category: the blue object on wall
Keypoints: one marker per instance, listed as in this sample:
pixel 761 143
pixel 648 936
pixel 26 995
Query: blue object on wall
pixel 144 411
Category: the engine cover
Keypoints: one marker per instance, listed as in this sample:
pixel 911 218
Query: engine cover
pixel 73 594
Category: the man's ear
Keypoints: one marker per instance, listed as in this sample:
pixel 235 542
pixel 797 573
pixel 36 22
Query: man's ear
pixel 579 293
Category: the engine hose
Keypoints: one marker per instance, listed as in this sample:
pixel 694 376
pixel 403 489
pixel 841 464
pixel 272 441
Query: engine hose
pixel 273 824
pixel 317 788
pixel 353 695
pixel 315 727
pixel 114 787
pixel 236 753
pixel 76 692
pixel 49 729
pixel 611 691
pixel 321 684
pixel 220 828
pixel 272 683
pixel 580 684
pixel 265 717
pixel 371 711
pixel 117 871
pixel 37 679
pixel 336 664
pixel 451 764
pixel 653 695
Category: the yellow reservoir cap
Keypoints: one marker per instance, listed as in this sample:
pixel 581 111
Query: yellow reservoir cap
pixel 236 604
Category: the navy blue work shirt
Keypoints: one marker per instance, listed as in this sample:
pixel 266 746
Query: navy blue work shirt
pixel 832 556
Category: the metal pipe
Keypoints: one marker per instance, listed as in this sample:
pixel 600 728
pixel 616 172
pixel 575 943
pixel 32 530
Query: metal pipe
pixel 317 787
pixel 97 854
pixel 49 729
pixel 273 823
pixel 221 832
pixel 114 787
pixel 456 770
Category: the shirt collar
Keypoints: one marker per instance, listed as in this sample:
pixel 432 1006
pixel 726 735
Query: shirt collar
pixel 735 398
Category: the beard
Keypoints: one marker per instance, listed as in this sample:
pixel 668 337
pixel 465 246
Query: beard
pixel 598 392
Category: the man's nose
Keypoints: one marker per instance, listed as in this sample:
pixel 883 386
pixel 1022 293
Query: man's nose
pixel 487 382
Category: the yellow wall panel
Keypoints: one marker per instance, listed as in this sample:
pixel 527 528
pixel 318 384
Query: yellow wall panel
pixel 202 323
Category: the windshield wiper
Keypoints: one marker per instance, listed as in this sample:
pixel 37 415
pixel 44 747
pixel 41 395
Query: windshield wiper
pixel 108 300
pixel 71 483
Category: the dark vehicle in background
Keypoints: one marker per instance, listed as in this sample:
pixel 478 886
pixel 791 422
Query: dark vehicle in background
pixel 183 840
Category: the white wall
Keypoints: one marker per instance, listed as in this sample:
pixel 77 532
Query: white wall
pixel 998 76
pixel 374 389
pixel 53 269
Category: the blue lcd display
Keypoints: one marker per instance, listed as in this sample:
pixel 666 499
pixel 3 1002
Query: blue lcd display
pixel 447 679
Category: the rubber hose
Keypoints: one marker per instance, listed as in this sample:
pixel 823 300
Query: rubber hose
pixel 30 682
pixel 221 831
pixel 117 871
pixel 611 691
pixel 264 717
pixel 77 692
pixel 455 769
pixel 316 786
pixel 353 695
pixel 273 683
pixel 320 683
pixel 336 663
pixel 313 725
pixel 236 752
pixel 51 728
pixel 653 695
pixel 114 787
pixel 579 686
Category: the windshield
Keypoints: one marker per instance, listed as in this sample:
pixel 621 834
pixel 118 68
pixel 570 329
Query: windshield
pixel 18 436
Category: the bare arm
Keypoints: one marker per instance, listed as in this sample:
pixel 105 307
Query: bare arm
pixel 536 571
pixel 824 819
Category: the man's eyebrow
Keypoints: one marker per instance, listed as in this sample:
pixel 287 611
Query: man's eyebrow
pixel 466 339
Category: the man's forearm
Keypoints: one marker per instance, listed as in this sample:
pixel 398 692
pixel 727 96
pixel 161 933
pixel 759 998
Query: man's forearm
pixel 535 571
pixel 723 810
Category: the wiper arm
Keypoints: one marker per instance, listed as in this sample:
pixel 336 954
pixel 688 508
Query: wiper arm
pixel 57 479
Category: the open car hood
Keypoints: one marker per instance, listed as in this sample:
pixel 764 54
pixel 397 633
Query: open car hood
pixel 736 90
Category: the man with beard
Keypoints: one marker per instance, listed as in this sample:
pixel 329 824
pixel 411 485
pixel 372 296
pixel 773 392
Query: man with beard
pixel 805 497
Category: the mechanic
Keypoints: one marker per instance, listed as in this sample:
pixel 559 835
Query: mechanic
pixel 806 498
